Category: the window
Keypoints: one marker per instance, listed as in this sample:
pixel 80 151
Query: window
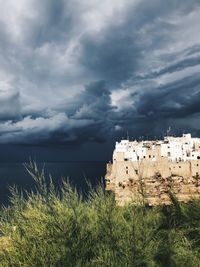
pixel 168 154
pixel 144 157
pixel 136 171
pixel 179 167
pixel 126 171
pixel 149 156
pixel 126 167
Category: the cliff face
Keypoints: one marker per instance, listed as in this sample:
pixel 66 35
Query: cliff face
pixel 152 181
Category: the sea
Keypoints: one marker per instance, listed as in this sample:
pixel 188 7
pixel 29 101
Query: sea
pixel 78 173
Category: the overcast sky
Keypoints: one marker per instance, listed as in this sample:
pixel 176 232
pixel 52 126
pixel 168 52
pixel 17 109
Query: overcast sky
pixel 79 71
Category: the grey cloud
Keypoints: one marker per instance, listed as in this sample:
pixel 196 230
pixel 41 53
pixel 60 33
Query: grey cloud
pixel 174 104
pixel 114 58
pixel 9 106
pixel 64 73
pixel 38 130
pixel 119 52
pixel 177 66
pixel 164 102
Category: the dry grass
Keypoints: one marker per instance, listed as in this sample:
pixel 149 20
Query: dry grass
pixel 5 244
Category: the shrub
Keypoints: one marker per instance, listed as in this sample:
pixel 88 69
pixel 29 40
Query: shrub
pixel 51 227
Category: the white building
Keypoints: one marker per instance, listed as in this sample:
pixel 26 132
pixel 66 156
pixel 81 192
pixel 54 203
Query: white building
pixel 174 148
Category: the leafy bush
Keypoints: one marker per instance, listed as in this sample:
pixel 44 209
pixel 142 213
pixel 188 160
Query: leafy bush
pixel 50 227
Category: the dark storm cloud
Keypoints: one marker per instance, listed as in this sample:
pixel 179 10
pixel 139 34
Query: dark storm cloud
pixel 110 58
pixel 9 106
pixel 94 102
pixel 179 65
pixel 166 102
pixel 156 110
pixel 73 71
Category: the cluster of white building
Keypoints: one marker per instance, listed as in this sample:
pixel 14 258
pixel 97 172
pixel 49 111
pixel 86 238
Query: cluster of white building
pixel 183 148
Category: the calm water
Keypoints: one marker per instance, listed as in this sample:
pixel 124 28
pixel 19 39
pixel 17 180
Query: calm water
pixel 15 174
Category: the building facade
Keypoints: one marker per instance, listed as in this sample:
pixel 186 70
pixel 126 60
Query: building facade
pixel 155 168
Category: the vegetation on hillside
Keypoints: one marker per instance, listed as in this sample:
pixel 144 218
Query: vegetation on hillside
pixel 50 227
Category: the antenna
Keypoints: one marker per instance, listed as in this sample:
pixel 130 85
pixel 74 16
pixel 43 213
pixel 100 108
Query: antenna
pixel 127 136
pixel 169 130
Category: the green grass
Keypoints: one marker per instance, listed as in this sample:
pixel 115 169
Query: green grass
pixel 53 227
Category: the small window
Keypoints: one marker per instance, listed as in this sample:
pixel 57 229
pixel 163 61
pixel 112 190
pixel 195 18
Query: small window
pixel 136 171
pixel 179 167
pixel 197 165
pixel 126 167
pixel 149 156
pixel 126 172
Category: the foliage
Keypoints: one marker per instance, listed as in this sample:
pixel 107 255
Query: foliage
pixel 50 227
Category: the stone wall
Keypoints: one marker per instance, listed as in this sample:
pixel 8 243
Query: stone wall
pixel 153 180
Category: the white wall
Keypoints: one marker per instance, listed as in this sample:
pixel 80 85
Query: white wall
pixel 175 148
